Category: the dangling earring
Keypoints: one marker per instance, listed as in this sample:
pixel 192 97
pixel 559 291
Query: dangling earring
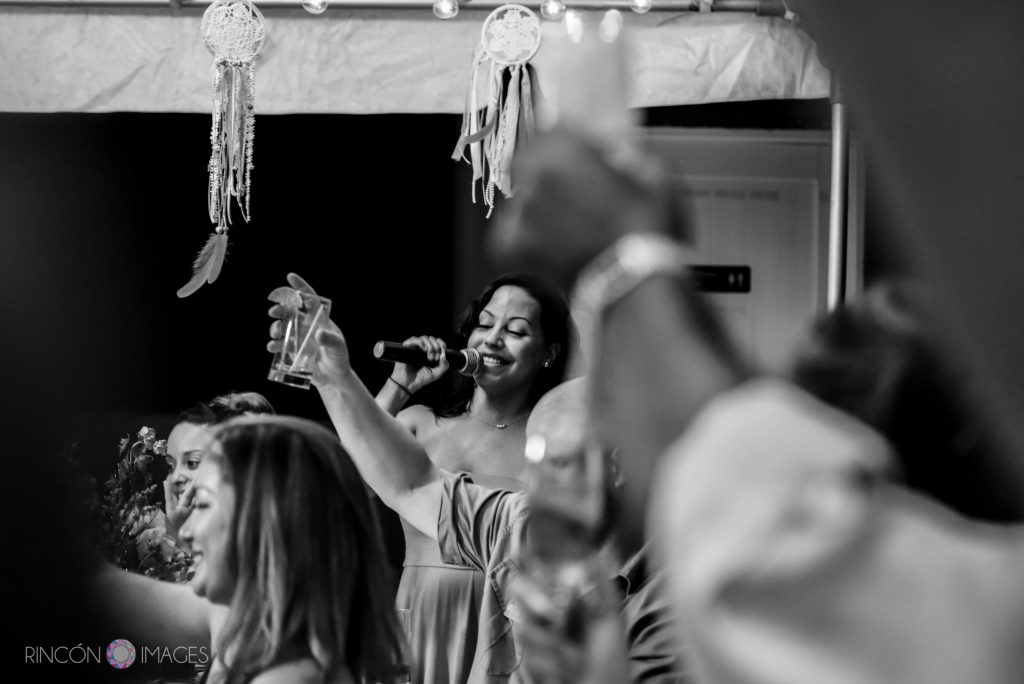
pixel 547 363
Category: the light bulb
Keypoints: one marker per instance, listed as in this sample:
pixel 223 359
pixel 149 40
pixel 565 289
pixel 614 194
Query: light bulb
pixel 314 6
pixel 574 27
pixel 552 9
pixel 641 6
pixel 446 9
pixel 610 26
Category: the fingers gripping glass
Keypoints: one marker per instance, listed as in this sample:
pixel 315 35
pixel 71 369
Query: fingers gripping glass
pixel 305 313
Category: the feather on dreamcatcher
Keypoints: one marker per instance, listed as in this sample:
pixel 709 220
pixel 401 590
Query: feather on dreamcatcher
pixel 509 38
pixel 233 31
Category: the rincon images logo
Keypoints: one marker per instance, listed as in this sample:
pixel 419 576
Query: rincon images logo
pixel 120 653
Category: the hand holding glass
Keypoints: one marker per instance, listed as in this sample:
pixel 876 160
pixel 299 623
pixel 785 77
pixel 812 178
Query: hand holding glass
pixel 306 312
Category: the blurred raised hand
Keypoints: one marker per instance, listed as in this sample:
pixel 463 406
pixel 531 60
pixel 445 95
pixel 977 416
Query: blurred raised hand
pixel 569 643
pixel 574 199
pixel 177 508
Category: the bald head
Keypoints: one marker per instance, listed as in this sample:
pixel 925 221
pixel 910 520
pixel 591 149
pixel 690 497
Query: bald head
pixel 564 475
pixel 560 417
pixel 556 435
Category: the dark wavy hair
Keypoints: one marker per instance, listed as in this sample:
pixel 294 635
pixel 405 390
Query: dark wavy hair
pixel 224 407
pixel 884 360
pixel 311 577
pixel 555 323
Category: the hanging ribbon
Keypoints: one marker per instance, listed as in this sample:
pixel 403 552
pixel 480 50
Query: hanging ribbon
pixel 233 31
pixel 510 37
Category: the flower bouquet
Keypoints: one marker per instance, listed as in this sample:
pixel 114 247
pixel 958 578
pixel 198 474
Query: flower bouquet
pixel 133 519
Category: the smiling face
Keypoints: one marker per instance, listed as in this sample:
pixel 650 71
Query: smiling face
pixel 185 447
pixel 509 338
pixel 208 533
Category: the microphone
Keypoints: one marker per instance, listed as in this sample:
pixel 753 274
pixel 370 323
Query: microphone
pixel 466 361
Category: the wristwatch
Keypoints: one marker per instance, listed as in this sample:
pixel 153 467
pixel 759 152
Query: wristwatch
pixel 616 271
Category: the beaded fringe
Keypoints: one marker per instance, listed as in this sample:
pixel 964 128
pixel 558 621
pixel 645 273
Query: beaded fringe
pixel 492 133
pixel 231 141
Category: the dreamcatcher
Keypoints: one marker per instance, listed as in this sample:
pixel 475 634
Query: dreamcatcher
pixel 233 31
pixel 508 40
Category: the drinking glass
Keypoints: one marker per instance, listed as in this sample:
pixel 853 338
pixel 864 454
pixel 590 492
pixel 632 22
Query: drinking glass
pixel 306 313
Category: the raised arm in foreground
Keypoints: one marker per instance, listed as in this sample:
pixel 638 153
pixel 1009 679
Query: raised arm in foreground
pixel 387 455
pixel 154 613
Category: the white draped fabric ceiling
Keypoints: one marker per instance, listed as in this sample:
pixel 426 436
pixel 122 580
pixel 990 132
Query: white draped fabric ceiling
pixel 369 61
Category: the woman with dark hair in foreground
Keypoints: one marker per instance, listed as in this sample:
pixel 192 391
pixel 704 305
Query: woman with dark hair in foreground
pixel 523 332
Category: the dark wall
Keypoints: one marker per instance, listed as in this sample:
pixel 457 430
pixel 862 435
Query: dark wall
pixel 102 216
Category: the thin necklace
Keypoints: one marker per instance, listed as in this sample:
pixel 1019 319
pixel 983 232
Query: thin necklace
pixel 500 426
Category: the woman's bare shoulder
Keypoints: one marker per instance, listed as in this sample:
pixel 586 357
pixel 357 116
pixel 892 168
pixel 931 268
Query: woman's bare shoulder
pixel 416 418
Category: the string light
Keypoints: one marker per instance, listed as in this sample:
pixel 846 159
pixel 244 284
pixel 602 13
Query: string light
pixel 610 26
pixel 552 9
pixel 446 9
pixel 314 6
pixel 574 26
pixel 641 6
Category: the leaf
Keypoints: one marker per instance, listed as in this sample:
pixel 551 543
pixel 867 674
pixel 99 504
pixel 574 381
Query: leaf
pixel 206 267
